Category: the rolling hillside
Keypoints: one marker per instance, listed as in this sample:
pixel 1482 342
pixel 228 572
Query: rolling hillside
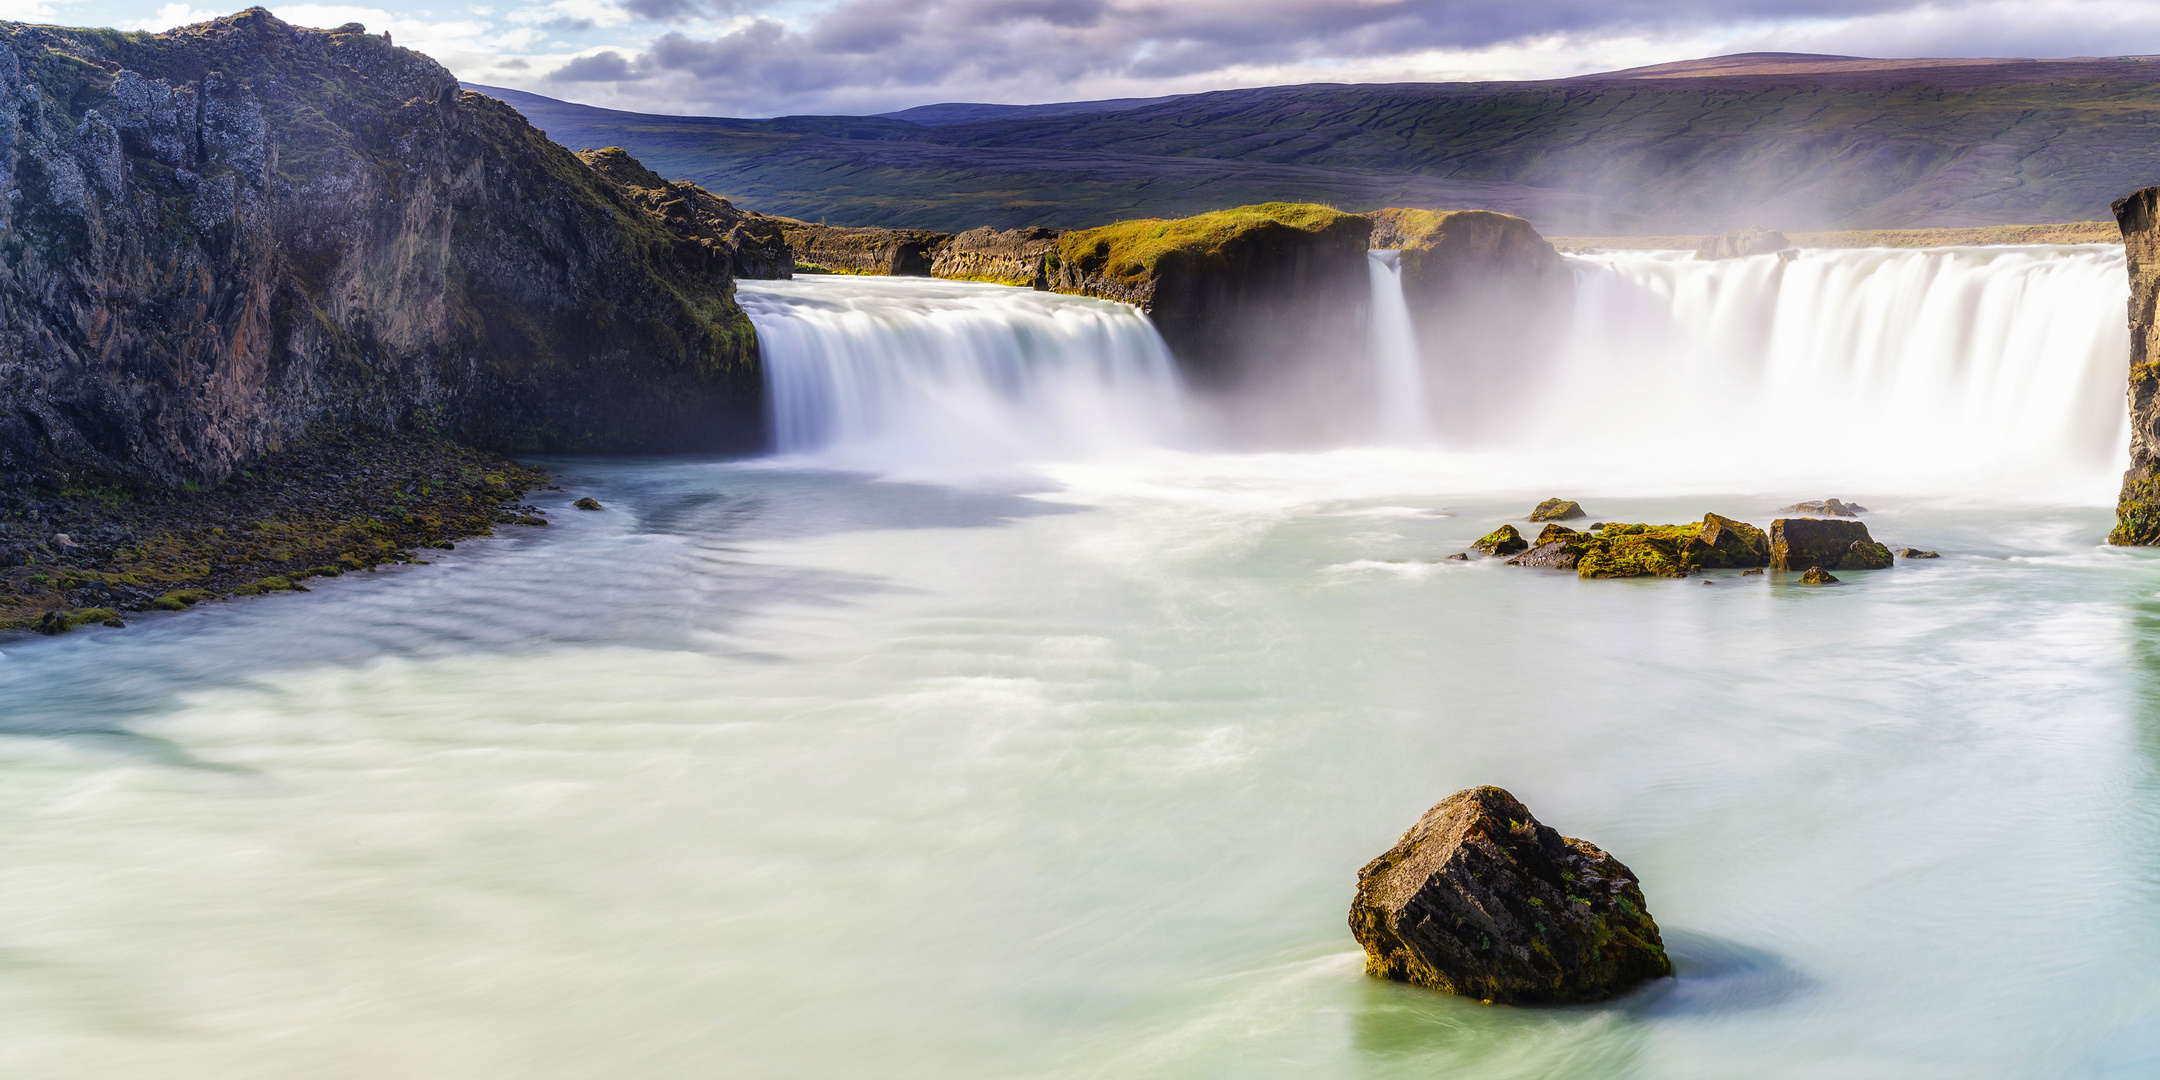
pixel 1796 142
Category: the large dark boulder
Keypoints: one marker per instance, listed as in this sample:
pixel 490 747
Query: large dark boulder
pixel 1482 900
pixel 1727 544
pixel 1799 543
pixel 1501 541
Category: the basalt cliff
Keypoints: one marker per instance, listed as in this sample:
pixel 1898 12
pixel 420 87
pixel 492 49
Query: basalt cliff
pixel 2137 510
pixel 219 238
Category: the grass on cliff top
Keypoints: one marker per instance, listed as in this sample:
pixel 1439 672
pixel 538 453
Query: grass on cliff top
pixel 1129 250
pixel 1414 227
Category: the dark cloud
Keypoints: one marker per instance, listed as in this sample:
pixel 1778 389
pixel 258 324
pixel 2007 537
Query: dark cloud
pixel 897 50
pixel 599 67
pixel 679 10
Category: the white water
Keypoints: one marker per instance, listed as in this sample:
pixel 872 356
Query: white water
pixel 913 373
pixel 1399 375
pixel 1995 370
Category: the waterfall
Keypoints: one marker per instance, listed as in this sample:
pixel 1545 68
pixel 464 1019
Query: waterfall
pixel 1398 372
pixel 1953 368
pixel 885 372
pixel 1956 370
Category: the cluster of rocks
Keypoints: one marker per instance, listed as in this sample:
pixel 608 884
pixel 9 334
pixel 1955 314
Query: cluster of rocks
pixel 1811 546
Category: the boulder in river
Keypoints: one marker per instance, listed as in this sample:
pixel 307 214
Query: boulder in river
pixel 1551 555
pixel 1816 575
pixel 1866 555
pixel 1725 543
pixel 1826 507
pixel 1501 541
pixel 1480 899
pixel 1916 553
pixel 588 503
pixel 1557 509
pixel 1797 543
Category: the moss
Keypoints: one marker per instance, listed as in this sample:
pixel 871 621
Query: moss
pixel 1501 541
pixel 1557 509
pixel 2137 513
pixel 1129 252
pixel 1621 551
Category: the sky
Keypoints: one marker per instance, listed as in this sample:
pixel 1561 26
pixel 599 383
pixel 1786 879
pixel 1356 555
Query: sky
pixel 758 58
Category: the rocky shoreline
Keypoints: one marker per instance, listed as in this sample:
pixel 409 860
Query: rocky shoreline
pixel 334 503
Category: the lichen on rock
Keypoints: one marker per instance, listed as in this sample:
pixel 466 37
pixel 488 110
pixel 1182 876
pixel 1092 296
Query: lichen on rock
pixel 1481 899
pixel 1556 509
pixel 1501 541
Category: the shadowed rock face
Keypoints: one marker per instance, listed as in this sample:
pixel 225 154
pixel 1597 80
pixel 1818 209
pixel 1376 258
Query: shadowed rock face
pixel 233 232
pixel 1007 256
pixel 1489 299
pixel 1482 900
pixel 900 252
pixel 2137 509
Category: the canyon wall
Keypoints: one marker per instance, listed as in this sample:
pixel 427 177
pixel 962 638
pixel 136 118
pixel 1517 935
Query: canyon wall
pixel 2137 509
pixel 222 236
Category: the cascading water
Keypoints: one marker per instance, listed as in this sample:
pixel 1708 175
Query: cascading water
pixel 900 372
pixel 1398 372
pixel 1998 368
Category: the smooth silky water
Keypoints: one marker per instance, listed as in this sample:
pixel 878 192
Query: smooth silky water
pixel 1065 768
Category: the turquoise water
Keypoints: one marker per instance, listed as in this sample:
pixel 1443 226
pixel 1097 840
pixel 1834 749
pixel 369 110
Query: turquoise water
pixel 777 772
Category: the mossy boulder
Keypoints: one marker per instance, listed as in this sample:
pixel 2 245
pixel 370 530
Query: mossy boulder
pixel 1557 509
pixel 1826 507
pixel 1816 575
pixel 1728 544
pixel 1501 541
pixel 1866 555
pixel 588 503
pixel 1916 553
pixel 1623 551
pixel 1481 899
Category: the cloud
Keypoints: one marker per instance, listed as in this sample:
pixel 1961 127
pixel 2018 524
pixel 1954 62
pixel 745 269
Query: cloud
pixel 167 17
pixel 874 55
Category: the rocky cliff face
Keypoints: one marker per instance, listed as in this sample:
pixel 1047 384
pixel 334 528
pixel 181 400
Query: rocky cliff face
pixel 1488 297
pixel 2137 509
pixel 906 252
pixel 219 237
pixel 1264 306
pixel 1006 256
pixel 756 244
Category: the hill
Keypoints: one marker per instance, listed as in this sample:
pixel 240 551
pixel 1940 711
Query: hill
pixel 1799 142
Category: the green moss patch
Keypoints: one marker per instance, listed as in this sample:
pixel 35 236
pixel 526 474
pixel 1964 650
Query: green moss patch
pixel 1129 252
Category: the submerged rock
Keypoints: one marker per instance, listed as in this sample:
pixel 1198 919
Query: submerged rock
pixel 1916 553
pixel 1501 541
pixel 588 503
pixel 1480 899
pixel 1745 573
pixel 1557 509
pixel 1460 556
pixel 1804 542
pixel 1816 575
pixel 1829 507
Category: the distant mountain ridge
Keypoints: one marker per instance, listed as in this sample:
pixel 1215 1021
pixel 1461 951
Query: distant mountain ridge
pixel 1797 141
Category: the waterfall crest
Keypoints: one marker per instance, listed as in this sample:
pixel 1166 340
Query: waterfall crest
pixel 1398 371
pixel 885 372
pixel 1997 366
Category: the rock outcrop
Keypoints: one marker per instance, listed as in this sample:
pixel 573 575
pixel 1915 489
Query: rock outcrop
pixel 1264 305
pixel 1829 543
pixel 1740 243
pixel 2137 508
pixel 844 250
pixel 1481 899
pixel 1489 298
pixel 1556 509
pixel 1501 541
pixel 1826 507
pixel 756 245
pixel 220 237
pixel 1005 256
